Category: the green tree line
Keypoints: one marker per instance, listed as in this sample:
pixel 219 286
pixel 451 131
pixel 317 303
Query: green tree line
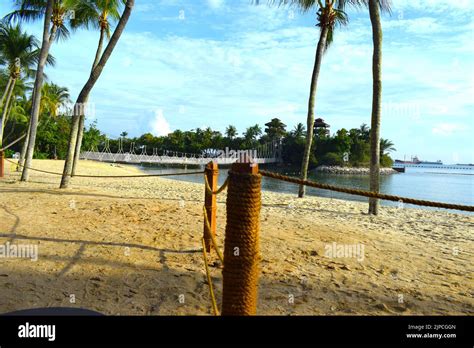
pixel 343 148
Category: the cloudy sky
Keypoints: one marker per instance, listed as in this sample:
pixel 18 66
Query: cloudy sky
pixel 183 64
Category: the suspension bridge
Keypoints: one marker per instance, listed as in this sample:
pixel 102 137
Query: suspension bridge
pixel 263 154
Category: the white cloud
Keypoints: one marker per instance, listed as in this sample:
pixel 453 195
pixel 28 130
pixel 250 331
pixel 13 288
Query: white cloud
pixel 214 4
pixel 421 25
pixel 433 5
pixel 446 129
pixel 159 125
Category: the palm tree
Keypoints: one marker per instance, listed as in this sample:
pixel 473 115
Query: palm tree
pixel 231 132
pixel 15 111
pixel 18 52
pixel 275 129
pixel 83 96
pixel 377 36
pixel 252 133
pixel 95 14
pixel 52 98
pixel 330 14
pixel 298 131
pixel 386 146
pixel 53 12
pixel 364 132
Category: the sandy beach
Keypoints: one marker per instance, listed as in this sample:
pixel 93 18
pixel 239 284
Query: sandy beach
pixel 133 247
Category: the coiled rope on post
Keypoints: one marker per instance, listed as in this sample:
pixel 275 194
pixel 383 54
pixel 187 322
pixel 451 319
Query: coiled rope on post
pixel 209 280
pixel 108 176
pixel 241 250
pixel 367 193
pixel 211 235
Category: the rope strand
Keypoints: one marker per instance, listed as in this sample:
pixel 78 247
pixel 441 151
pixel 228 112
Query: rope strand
pixel 222 188
pixel 211 235
pixel 367 193
pixel 209 280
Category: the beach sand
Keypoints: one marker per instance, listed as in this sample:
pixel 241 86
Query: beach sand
pixel 133 247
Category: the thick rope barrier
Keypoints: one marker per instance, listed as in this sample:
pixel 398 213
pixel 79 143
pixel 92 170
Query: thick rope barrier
pixel 222 188
pixel 241 252
pixel 367 193
pixel 209 280
pixel 211 236
pixel 12 143
pixel 107 176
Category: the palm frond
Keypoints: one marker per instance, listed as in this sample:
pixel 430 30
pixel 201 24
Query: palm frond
pixel 384 5
pixel 62 33
pixel 23 15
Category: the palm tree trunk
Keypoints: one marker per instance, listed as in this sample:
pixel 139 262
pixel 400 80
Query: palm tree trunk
pixel 99 49
pixel 6 91
pixel 35 107
pixel 80 132
pixel 21 160
pixel 376 105
pixel 6 107
pixel 82 98
pixel 311 103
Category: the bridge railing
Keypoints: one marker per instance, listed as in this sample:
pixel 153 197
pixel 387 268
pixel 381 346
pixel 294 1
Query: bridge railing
pixel 134 158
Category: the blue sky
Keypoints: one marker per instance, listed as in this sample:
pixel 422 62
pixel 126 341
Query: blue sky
pixel 183 64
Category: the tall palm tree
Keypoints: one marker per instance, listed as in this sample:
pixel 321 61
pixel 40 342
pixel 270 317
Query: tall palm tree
pixel 330 14
pixel 82 98
pixel 18 52
pixel 377 36
pixel 96 14
pixel 54 14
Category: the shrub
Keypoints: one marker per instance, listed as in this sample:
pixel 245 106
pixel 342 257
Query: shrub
pixel 386 161
pixel 332 159
pixel 9 153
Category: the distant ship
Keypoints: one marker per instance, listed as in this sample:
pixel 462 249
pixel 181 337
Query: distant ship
pixel 416 161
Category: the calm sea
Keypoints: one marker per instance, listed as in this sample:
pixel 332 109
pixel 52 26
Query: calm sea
pixel 454 185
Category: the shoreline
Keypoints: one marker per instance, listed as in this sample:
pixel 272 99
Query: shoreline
pixel 132 246
pixel 351 170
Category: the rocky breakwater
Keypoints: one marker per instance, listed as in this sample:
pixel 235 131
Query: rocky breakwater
pixel 351 170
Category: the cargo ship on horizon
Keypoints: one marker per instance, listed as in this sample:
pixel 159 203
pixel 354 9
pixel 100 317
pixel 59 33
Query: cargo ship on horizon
pixel 416 160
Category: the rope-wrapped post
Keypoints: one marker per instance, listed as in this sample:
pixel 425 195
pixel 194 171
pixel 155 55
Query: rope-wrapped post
pixel 241 250
pixel 2 164
pixel 210 203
